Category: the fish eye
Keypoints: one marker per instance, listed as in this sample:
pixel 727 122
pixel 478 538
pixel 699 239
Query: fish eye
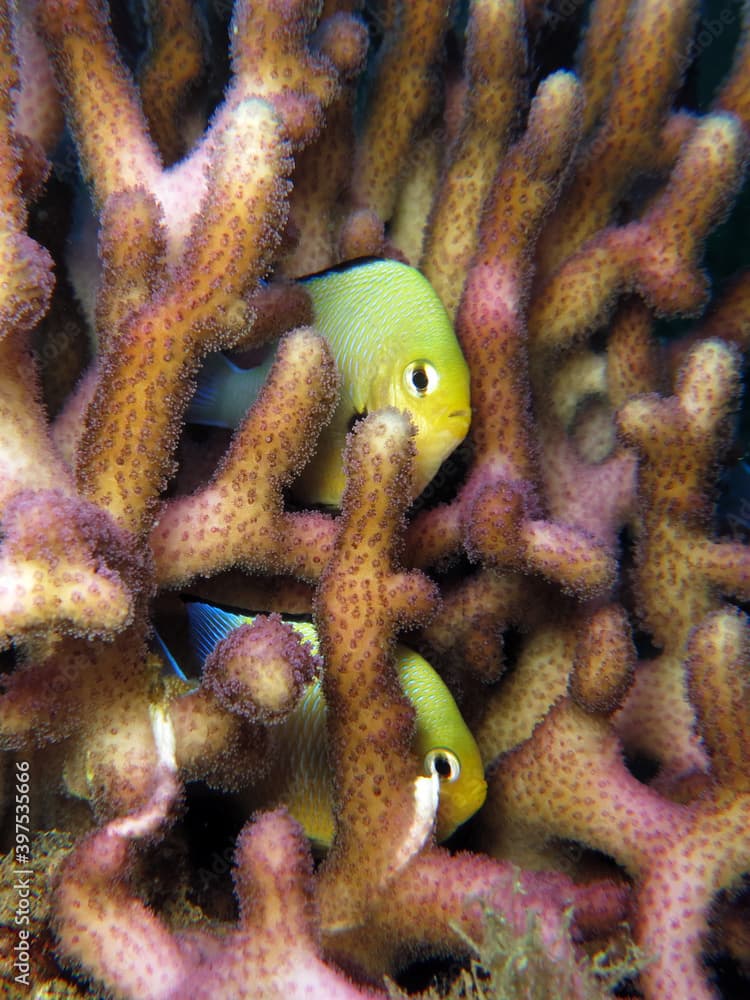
pixel 420 378
pixel 443 763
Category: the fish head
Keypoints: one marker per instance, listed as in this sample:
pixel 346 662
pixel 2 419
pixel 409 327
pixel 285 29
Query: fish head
pixel 395 345
pixel 443 743
pixel 463 788
pixel 434 391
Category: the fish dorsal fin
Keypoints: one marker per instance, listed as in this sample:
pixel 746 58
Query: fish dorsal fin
pixel 209 625
pixel 341 268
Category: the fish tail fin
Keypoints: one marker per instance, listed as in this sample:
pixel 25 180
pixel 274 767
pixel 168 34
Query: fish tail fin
pixel 225 391
pixel 213 378
pixel 208 625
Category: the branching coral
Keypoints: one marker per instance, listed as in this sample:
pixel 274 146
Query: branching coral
pixel 565 571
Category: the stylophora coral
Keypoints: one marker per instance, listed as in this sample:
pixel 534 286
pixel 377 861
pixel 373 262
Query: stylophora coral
pixel 557 219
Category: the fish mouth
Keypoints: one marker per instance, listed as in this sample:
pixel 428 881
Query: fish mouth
pixel 436 445
pixel 452 814
pixel 459 422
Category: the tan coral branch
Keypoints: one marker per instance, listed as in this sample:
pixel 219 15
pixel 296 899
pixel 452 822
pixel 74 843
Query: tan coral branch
pixel 238 518
pixel 383 808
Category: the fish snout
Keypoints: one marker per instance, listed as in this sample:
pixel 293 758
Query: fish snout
pixel 460 420
pixel 458 804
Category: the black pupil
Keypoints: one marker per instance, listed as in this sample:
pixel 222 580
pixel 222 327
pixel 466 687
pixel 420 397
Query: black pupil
pixel 443 767
pixel 419 379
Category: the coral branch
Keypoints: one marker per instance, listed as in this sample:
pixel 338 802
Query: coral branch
pixel 496 58
pixel 402 97
pixel 270 60
pixel 26 267
pixel 49 574
pixel 259 670
pixel 239 517
pixel 384 809
pixel 490 319
pixel 202 308
pixel 650 64
pixel 174 60
pixel 29 459
pixel 719 691
pixel 273 950
pixel 655 256
pixel 103 116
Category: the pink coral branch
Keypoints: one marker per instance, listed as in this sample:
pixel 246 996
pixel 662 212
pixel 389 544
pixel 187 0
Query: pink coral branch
pixel 239 517
pixel 379 792
pixel 273 950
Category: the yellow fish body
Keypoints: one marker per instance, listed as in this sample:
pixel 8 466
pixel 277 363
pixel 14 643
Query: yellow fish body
pixel 393 344
pixel 300 776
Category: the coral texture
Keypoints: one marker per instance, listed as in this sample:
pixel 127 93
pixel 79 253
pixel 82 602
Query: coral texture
pixel 167 172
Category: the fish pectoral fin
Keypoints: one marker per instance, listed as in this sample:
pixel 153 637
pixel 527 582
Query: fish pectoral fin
pixel 167 654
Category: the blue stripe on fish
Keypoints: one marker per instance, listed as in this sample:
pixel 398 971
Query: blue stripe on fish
pixel 164 650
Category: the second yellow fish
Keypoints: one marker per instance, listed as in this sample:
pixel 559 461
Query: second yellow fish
pixel 300 776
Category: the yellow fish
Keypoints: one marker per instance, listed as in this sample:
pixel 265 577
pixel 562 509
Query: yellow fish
pixel 300 777
pixel 393 344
